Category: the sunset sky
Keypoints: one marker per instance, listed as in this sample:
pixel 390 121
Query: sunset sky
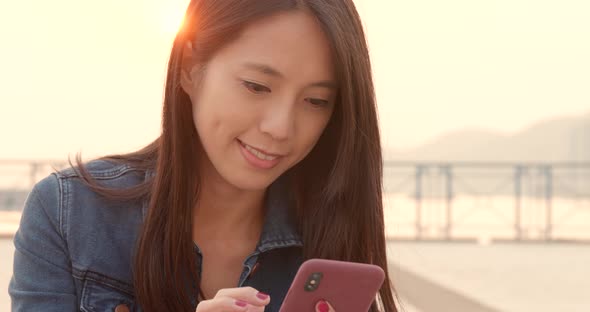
pixel 78 75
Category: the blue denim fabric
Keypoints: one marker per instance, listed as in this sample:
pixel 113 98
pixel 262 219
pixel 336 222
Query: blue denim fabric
pixel 74 249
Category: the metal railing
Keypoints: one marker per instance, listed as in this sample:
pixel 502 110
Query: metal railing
pixel 437 201
pixel 489 201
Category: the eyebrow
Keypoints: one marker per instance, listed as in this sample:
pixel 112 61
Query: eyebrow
pixel 269 71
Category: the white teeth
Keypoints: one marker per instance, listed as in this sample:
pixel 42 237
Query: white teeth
pixel 259 154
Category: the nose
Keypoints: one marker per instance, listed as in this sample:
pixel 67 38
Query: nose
pixel 278 121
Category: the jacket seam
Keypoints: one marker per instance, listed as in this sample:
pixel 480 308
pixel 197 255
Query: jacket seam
pixel 263 249
pixel 89 275
pixel 104 173
pixel 60 207
pixel 30 253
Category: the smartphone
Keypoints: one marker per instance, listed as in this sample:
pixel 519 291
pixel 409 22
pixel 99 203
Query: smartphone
pixel 347 286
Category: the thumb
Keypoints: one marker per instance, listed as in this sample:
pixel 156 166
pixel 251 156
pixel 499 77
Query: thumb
pixel 323 306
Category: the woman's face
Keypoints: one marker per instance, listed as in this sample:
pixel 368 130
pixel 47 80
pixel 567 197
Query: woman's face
pixel 264 99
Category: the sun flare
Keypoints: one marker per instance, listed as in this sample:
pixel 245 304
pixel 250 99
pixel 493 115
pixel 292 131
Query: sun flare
pixel 171 18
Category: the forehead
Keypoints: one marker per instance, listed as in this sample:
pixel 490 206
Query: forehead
pixel 292 42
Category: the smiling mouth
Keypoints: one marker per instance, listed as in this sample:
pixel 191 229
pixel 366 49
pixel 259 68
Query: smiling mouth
pixel 258 153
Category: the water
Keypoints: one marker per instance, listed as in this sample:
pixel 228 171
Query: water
pixel 485 218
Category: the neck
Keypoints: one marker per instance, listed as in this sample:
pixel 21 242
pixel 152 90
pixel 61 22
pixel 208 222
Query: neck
pixel 225 212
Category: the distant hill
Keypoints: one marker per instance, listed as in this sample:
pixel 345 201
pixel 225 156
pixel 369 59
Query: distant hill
pixel 565 139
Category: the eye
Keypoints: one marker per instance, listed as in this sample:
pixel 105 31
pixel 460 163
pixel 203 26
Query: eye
pixel 255 87
pixel 318 102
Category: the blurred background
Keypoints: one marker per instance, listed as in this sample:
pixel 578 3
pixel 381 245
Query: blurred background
pixel 484 110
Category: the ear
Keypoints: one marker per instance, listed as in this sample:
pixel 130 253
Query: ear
pixel 187 79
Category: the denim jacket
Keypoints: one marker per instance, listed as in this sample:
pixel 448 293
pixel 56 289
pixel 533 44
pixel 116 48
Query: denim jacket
pixel 74 248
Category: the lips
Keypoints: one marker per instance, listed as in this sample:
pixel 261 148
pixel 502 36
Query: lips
pixel 258 158
pixel 259 151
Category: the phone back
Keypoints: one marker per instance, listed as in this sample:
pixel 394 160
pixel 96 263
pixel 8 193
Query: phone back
pixel 347 286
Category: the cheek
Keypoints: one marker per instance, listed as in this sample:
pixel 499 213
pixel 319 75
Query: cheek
pixel 209 123
pixel 221 116
pixel 210 103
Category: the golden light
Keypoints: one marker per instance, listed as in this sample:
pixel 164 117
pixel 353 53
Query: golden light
pixel 172 16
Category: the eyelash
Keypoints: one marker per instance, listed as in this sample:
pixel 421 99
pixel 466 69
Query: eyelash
pixel 257 88
pixel 251 86
pixel 322 103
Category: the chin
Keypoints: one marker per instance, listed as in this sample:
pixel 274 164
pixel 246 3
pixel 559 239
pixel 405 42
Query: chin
pixel 249 183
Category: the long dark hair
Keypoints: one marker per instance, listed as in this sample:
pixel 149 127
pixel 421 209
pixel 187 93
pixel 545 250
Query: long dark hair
pixel 338 186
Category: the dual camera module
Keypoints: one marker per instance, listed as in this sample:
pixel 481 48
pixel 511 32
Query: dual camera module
pixel 313 281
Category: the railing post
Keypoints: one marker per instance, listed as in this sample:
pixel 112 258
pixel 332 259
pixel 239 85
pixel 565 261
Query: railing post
pixel 448 172
pixel 517 201
pixel 418 199
pixel 549 202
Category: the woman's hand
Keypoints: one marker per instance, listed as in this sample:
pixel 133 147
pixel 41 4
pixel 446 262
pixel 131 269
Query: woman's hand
pixel 323 306
pixel 243 299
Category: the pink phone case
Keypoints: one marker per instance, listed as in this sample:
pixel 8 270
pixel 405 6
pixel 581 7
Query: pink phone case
pixel 347 286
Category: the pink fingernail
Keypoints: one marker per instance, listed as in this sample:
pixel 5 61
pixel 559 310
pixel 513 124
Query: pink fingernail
pixel 262 296
pixel 323 307
pixel 241 303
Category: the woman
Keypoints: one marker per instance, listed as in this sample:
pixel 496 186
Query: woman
pixel 269 155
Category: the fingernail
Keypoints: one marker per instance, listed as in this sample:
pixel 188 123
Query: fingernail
pixel 323 306
pixel 241 303
pixel 262 296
